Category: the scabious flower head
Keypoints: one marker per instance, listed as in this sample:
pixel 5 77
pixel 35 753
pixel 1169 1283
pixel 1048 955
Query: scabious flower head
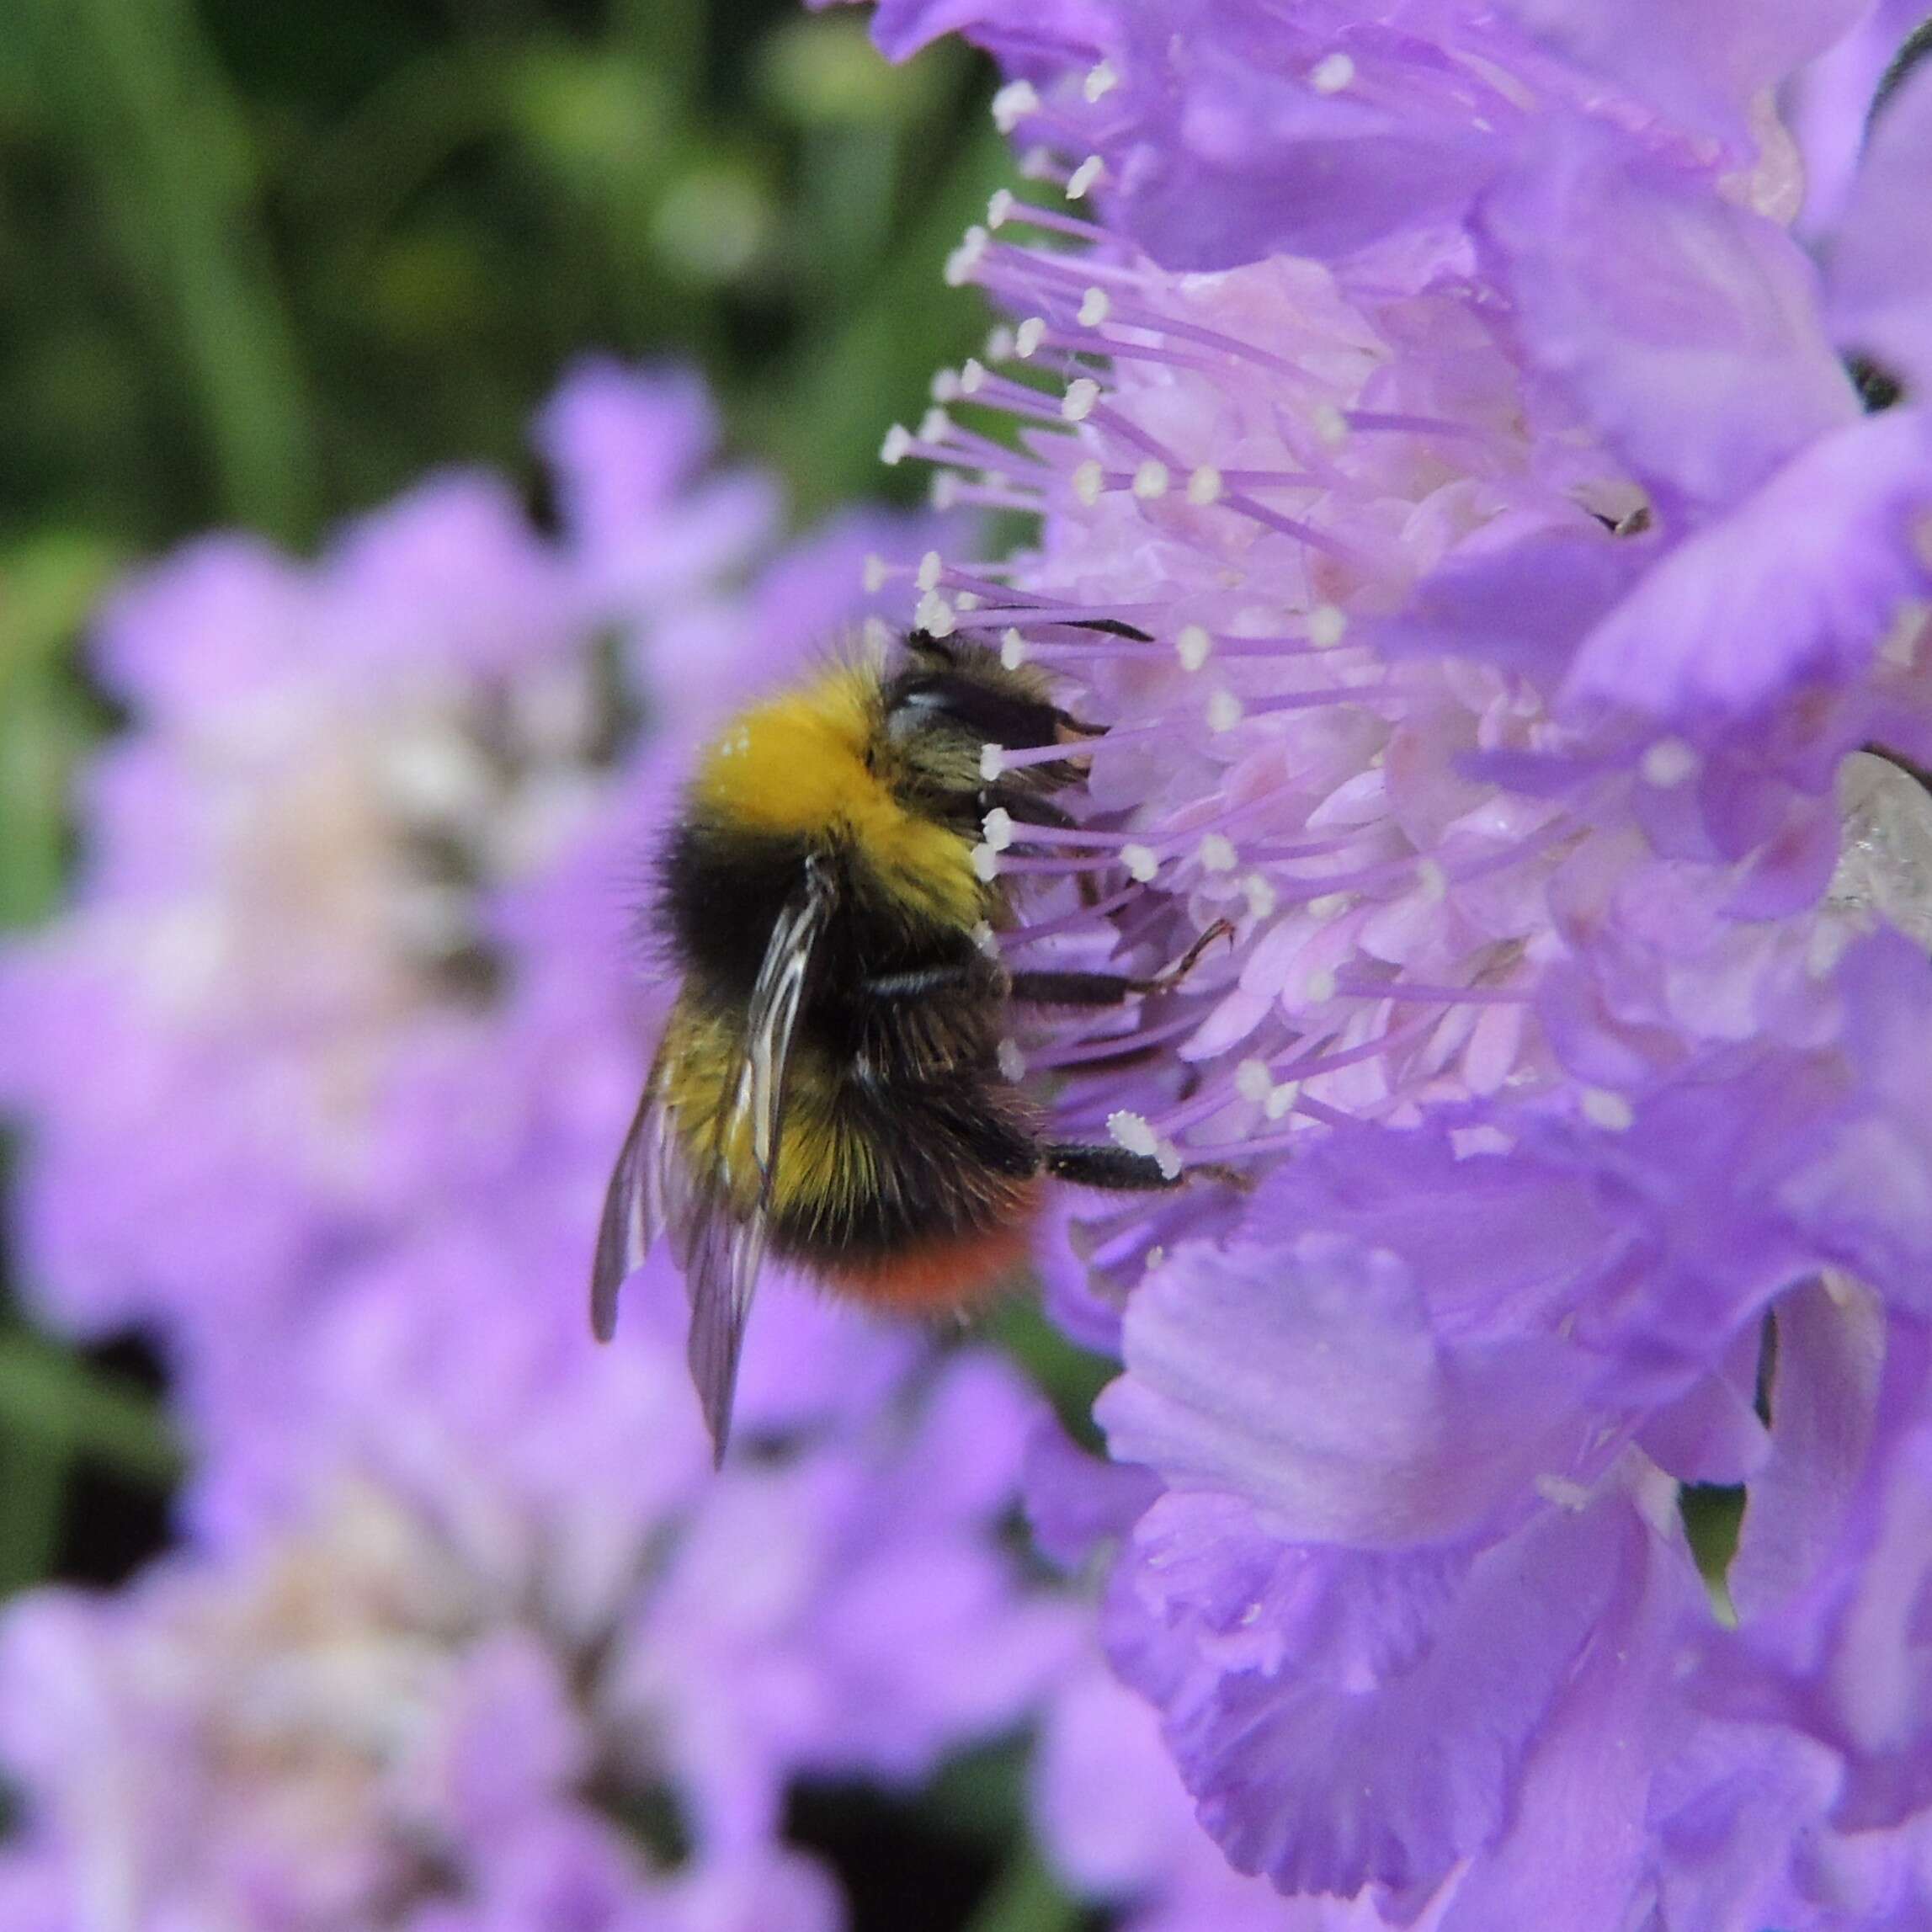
pixel 1456 509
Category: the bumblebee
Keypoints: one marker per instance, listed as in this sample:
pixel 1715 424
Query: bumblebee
pixel 828 1089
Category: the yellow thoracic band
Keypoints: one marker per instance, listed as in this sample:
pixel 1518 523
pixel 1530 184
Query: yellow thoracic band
pixel 797 766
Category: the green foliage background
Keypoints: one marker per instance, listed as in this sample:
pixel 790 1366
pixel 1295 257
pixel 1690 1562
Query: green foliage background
pixel 264 265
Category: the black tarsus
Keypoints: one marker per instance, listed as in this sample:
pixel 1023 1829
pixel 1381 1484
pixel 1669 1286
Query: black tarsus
pixel 1108 988
pixel 1110 1167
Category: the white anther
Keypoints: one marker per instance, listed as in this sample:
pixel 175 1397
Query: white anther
pixel 973 376
pixel 945 387
pixel 1332 73
pixel 1668 763
pixel 1328 906
pixel 998 344
pixel 1431 882
pixel 987 939
pixel 1012 1061
pixel 1193 647
pixel 962 262
pixel 1224 711
pixel 1169 1157
pixel 1083 392
pixel 985 864
pixel 1204 486
pixel 1280 1101
pixel 935 615
pixel 1131 1131
pixel 895 448
pixel 877 571
pixel 1095 305
pixel 1217 853
pixel 932 568
pixel 992 764
pixel 935 426
pixel 1013 104
pixel 1319 987
pixel 1000 209
pixel 997 828
pixel 1151 480
pixel 1012 651
pixel 944 490
pixel 1029 336
pixel 1330 424
pixel 1327 625
pixel 1088 480
pixel 1154 1257
pixel 1140 861
pixel 1260 895
pixel 1085 176
pixel 966 599
pixel 1610 1111
pixel 1253 1081
pixel 1100 80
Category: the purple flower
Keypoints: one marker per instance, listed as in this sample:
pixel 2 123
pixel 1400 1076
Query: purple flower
pixel 1487 580
pixel 351 1726
pixel 298 912
pixel 324 1074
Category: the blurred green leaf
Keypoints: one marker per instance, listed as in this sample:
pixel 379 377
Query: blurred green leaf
pixel 826 422
pixel 1070 1377
pixel 983 1793
pixel 1028 1899
pixel 51 1399
pixel 33 1474
pixel 134 89
pixel 713 222
pixel 823 71
pixel 48 584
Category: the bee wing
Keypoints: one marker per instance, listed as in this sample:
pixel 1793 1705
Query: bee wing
pixel 637 1204
pixel 725 1248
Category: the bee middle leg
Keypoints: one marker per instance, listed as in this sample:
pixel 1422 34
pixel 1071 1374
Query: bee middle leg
pixel 1110 988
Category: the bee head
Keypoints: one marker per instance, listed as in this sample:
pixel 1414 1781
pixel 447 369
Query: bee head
pixel 946 703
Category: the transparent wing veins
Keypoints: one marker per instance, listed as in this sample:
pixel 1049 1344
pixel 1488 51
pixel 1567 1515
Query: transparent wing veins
pixel 655 1189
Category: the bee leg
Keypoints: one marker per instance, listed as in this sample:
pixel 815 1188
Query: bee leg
pixel 921 980
pixel 1122 1173
pixel 1109 988
pixel 1110 1167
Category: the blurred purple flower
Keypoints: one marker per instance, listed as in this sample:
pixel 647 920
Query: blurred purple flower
pixel 460 1600
pixel 1514 583
pixel 299 859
